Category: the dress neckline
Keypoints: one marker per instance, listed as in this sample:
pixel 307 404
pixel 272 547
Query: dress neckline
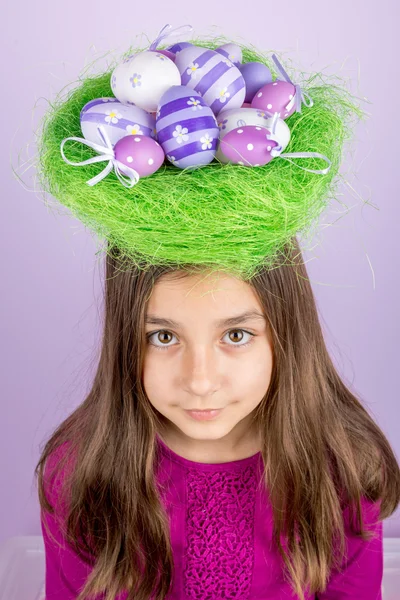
pixel 240 463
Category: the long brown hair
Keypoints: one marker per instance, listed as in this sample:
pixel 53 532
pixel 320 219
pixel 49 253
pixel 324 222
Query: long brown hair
pixel 321 449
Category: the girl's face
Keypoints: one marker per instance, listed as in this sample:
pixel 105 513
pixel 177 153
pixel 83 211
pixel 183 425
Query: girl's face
pixel 204 362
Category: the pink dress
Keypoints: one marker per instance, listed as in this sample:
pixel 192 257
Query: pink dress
pixel 221 534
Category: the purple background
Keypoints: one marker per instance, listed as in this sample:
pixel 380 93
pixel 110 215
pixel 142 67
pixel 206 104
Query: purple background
pixel 50 276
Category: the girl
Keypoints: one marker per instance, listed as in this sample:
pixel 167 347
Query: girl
pixel 283 408
pixel 283 489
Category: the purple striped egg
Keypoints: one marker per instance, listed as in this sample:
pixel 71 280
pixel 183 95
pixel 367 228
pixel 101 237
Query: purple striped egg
pixel 186 128
pixel 118 120
pixel 240 117
pixel 248 146
pixel 277 96
pixel 231 51
pixel 176 48
pixel 213 76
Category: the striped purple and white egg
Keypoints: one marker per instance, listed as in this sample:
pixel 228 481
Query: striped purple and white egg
pixel 186 128
pixel 241 117
pixel 213 76
pixel 117 119
pixel 231 51
pixel 176 48
pixel 277 96
pixel 248 146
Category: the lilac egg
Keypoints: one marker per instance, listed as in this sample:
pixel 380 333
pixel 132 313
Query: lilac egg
pixel 248 146
pixel 213 76
pixel 232 52
pixel 117 119
pixel 256 75
pixel 186 128
pixel 276 97
pixel 141 153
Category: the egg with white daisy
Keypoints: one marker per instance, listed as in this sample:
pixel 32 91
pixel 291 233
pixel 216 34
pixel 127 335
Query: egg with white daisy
pixel 186 128
pixel 213 76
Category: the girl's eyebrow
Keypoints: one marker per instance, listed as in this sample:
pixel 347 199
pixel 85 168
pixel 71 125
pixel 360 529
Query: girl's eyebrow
pixel 236 320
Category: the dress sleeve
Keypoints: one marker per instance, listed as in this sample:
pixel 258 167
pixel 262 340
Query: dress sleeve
pixel 66 572
pixel 361 573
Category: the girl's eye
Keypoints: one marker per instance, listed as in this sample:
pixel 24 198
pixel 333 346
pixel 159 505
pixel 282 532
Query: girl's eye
pixel 165 346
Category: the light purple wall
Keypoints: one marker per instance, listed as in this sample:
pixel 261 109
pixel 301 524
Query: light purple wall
pixel 50 274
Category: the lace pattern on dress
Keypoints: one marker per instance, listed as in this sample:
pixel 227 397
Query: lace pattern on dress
pixel 220 534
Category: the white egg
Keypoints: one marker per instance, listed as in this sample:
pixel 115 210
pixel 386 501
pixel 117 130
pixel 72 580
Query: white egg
pixel 144 78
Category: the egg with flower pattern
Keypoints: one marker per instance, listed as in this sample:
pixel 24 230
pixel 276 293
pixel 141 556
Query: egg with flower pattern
pixel 231 51
pixel 144 78
pixel 186 128
pixel 117 119
pixel 213 76
pixel 176 48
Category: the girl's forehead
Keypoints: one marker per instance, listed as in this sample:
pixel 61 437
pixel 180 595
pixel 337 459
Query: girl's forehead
pixel 219 287
pixel 215 300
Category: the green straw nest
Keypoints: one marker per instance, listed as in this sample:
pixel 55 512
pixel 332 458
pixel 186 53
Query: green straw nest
pixel 221 216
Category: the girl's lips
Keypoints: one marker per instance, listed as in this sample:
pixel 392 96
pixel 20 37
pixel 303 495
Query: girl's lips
pixel 204 415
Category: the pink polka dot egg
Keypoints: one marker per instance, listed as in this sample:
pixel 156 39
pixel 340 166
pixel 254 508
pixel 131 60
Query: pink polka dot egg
pixel 240 117
pixel 248 146
pixel 277 96
pixel 141 153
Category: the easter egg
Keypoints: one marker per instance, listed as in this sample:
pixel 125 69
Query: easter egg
pixel 248 146
pixel 232 52
pixel 240 117
pixel 118 75
pixel 118 120
pixel 139 152
pixel 176 48
pixel 144 78
pixel 166 53
pixel 255 75
pixel 277 96
pixel 186 128
pixel 213 76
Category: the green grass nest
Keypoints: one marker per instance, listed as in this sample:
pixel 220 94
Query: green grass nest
pixel 220 216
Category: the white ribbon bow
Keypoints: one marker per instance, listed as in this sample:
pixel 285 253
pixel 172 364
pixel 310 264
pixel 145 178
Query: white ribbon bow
pixel 277 151
pixel 106 152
